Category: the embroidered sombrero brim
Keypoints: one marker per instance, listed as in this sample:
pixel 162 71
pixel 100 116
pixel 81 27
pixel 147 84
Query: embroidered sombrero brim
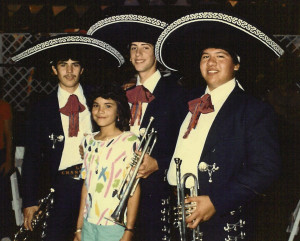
pixel 87 49
pixel 121 30
pixel 181 43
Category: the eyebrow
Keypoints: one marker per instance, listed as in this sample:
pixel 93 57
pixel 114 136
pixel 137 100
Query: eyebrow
pixel 143 44
pixel 219 52
pixel 95 102
pixel 64 62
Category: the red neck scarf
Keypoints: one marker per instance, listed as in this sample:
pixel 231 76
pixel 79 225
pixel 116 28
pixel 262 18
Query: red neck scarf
pixel 196 107
pixel 72 109
pixel 136 97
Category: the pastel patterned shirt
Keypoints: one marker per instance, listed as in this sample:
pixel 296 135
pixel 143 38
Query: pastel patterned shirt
pixel 104 166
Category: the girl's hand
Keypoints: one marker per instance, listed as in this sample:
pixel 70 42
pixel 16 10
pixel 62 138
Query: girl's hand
pixel 127 236
pixel 77 236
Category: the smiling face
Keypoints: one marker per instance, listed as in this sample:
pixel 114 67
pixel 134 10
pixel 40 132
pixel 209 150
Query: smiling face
pixel 142 58
pixel 217 67
pixel 104 112
pixel 68 73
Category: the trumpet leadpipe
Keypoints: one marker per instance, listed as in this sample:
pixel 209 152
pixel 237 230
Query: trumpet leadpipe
pixel 183 210
pixel 129 183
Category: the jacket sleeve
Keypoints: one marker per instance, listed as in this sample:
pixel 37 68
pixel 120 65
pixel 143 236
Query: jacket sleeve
pixel 32 158
pixel 177 108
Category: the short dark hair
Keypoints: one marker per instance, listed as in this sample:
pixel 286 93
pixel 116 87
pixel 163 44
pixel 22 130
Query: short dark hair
pixel 112 90
pixel 233 54
pixel 65 56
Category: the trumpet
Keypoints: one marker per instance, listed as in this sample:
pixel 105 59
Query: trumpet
pixel 183 210
pixel 130 182
pixel 40 215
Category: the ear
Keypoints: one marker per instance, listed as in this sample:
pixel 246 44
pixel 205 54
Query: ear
pixel 236 67
pixel 81 71
pixel 54 70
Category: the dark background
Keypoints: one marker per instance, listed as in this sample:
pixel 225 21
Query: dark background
pixel 277 83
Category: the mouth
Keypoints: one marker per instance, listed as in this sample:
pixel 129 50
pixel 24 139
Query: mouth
pixel 138 61
pixel 70 77
pixel 212 71
pixel 100 117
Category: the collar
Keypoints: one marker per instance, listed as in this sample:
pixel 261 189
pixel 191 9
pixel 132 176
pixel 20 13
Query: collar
pixel 222 92
pixel 151 82
pixel 63 95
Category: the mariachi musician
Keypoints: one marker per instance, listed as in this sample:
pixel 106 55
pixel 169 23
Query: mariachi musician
pixel 228 139
pixel 153 95
pixel 56 125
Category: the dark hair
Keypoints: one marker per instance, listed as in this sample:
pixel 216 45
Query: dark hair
pixel 65 55
pixel 112 91
pixel 234 56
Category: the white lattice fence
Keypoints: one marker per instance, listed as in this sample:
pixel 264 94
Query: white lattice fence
pixel 291 42
pixel 19 84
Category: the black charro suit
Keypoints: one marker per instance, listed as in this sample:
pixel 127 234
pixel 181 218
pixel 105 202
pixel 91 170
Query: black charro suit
pixel 242 142
pixel 42 160
pixel 168 109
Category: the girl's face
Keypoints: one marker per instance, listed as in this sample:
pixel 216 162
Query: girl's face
pixel 104 112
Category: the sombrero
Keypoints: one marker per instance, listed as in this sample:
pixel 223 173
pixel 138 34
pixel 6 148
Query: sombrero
pixel 181 43
pixel 86 49
pixel 121 30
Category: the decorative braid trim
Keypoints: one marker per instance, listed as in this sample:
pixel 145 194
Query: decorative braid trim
pixel 217 17
pixel 70 40
pixel 127 18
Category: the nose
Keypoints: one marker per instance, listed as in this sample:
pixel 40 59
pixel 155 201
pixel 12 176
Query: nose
pixel 69 68
pixel 211 61
pixel 101 109
pixel 138 52
pixel 98 110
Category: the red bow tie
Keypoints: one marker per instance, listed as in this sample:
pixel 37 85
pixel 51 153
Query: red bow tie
pixel 136 97
pixel 72 109
pixel 196 107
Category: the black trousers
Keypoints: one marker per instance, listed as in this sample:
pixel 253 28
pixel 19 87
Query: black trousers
pixel 62 221
pixel 153 217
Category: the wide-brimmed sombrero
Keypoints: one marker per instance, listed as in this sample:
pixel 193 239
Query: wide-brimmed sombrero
pixel 121 30
pixel 84 48
pixel 181 43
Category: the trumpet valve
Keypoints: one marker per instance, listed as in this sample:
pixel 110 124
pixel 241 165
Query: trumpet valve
pixel 134 160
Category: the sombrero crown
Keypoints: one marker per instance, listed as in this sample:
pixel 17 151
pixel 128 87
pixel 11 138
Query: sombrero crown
pixel 121 30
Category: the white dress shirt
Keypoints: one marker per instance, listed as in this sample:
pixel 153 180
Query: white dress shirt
pixel 70 155
pixel 150 84
pixel 189 150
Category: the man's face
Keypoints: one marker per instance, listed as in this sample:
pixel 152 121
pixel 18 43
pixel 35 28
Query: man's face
pixel 217 67
pixel 68 73
pixel 142 57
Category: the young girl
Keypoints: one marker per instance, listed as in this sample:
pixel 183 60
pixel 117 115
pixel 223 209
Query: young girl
pixel 107 154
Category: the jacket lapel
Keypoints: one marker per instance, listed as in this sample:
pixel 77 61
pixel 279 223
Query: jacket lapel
pixel 153 106
pixel 53 112
pixel 220 125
